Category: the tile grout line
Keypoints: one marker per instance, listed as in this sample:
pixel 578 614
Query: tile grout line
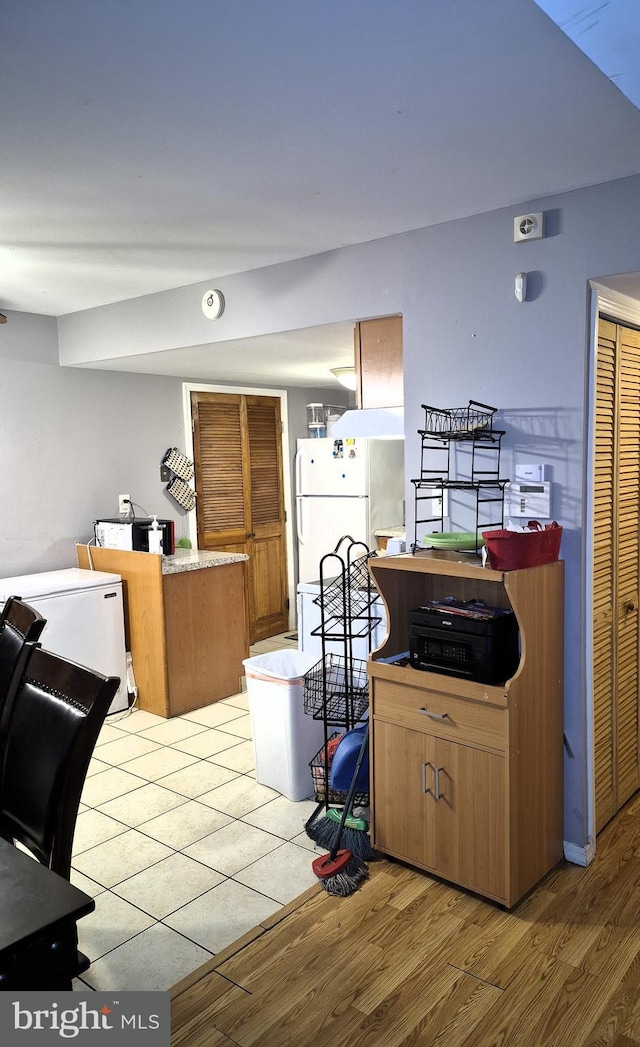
pixel 239 711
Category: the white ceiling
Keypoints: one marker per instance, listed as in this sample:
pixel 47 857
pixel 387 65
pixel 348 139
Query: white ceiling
pixel 301 359
pixel 608 33
pixel 150 144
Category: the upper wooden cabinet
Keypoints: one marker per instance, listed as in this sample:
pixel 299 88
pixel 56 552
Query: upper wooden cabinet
pixel 378 362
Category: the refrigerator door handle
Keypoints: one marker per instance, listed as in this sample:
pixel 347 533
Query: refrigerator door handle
pixel 299 504
pixel 298 482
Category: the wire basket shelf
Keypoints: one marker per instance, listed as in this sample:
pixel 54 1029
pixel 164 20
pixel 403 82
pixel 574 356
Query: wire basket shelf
pixel 337 690
pixel 458 423
pixel 334 628
pixel 350 593
pixel 320 767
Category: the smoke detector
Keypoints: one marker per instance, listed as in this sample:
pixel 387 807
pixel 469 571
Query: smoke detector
pixel 213 304
pixel 528 227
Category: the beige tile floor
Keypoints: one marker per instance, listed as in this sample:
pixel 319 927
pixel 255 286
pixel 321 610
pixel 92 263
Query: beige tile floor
pixel 181 847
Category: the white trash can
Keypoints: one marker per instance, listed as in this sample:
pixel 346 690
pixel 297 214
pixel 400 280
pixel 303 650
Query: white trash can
pixel 285 738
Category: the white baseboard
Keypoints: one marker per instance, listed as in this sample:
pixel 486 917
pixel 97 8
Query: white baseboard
pixel 579 855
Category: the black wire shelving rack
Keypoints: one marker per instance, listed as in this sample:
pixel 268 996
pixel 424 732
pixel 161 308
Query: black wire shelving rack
pixel 471 430
pixel 336 689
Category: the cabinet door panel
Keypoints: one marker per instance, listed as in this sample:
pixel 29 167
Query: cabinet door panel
pixel 441 806
pixel 469 841
pixel 378 357
pixel 403 820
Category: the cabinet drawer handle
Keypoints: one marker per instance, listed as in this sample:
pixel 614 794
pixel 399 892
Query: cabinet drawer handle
pixel 434 716
pixel 437 793
pixel 425 787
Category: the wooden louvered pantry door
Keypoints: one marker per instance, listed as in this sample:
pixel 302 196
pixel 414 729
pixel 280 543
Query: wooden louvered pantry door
pixel 239 496
pixel 616 574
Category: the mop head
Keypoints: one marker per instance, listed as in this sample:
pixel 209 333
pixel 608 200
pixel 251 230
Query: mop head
pixel 341 875
pixel 354 838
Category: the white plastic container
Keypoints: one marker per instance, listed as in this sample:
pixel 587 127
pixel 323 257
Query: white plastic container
pixel 320 419
pixel 155 536
pixel 285 738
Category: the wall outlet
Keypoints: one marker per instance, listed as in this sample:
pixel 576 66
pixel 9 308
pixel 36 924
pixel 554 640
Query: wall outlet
pixel 439 504
pixel 124 501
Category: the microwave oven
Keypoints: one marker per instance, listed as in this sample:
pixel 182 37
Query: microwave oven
pixel 116 533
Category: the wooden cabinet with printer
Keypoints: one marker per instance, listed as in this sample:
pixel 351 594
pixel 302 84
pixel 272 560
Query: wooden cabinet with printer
pixel 378 362
pixel 467 776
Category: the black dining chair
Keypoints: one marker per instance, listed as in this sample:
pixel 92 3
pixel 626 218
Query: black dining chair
pixel 48 730
pixel 19 623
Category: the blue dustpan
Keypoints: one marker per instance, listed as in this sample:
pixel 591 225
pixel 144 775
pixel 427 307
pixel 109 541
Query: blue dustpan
pixel 344 762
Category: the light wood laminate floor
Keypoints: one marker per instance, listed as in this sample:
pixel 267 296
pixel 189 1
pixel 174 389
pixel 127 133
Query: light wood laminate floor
pixel 408 960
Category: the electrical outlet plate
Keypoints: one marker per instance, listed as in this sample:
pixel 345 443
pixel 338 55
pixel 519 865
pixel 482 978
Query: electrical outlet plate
pixel 439 504
pixel 124 503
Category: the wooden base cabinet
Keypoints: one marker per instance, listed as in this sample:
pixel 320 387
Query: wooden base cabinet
pixel 434 789
pixel 188 631
pixel 466 778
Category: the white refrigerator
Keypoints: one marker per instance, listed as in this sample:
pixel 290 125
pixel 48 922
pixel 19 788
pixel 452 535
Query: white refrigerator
pixel 85 619
pixel 345 487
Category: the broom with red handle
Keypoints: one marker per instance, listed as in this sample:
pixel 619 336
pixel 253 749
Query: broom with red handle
pixel 340 872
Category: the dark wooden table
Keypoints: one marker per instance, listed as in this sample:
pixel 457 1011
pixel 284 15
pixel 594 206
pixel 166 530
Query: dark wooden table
pixel 38 933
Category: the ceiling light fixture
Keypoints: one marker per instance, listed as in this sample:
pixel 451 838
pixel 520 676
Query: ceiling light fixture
pixel 346 376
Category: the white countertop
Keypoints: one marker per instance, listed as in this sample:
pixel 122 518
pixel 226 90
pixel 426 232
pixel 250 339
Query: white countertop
pixel 196 559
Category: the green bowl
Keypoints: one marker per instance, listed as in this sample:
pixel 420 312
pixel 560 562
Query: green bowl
pixel 462 540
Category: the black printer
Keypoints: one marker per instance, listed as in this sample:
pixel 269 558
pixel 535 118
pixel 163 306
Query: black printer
pixel 464 638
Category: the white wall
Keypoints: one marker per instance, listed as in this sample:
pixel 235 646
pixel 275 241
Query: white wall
pixel 72 439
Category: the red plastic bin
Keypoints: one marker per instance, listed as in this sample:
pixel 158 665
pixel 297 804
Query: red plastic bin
pixel 513 550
